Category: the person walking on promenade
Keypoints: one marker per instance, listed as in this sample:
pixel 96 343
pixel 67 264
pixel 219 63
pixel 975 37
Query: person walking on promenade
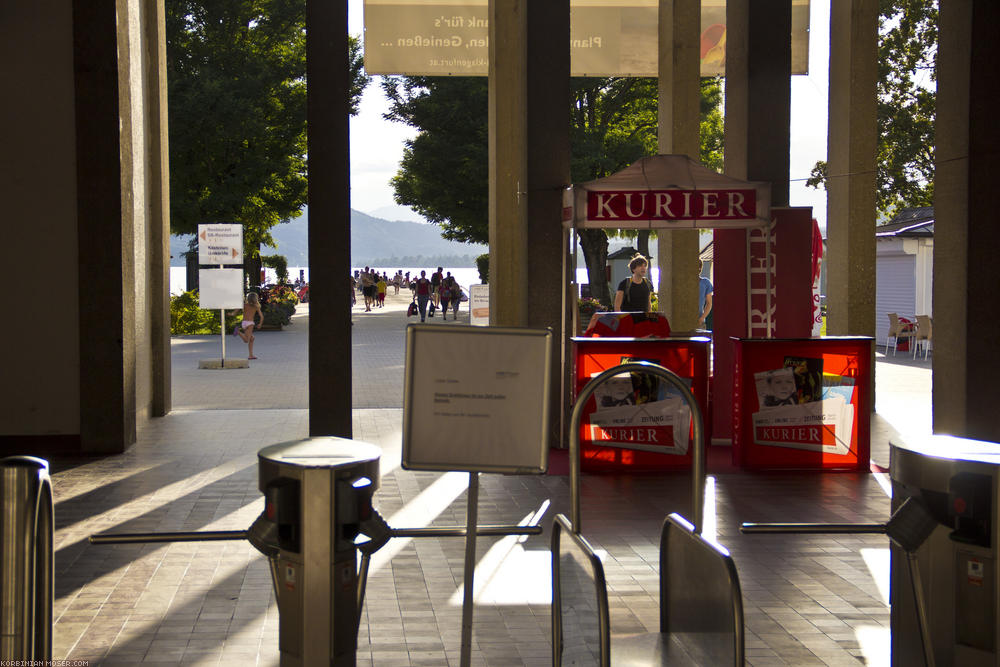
pixel 380 288
pixel 423 292
pixel 444 295
pixel 704 299
pixel 354 288
pixel 634 294
pixel 367 288
pixel 251 309
pixel 396 281
pixel 436 279
pixel 456 298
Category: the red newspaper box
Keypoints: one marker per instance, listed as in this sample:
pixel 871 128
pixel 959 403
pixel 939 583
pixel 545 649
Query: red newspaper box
pixel 802 403
pixel 636 421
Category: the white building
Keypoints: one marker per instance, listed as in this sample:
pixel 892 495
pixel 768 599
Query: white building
pixel 904 267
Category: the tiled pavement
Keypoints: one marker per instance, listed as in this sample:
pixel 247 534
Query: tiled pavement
pixel 808 599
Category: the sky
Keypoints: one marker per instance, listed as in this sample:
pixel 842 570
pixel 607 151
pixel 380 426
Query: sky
pixel 377 144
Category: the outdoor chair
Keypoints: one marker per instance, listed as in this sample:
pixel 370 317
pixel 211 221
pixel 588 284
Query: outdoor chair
pixel 701 605
pixel 923 334
pixel 898 330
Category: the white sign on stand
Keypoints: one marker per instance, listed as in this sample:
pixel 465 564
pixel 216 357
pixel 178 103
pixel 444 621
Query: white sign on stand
pixel 220 244
pixel 489 412
pixel 220 288
pixel 479 305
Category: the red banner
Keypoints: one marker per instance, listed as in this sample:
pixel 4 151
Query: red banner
pixel 672 205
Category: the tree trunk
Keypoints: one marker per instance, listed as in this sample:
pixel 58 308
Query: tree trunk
pixel 253 265
pixel 595 251
pixel 642 243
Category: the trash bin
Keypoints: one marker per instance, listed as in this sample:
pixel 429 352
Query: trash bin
pixel 26 536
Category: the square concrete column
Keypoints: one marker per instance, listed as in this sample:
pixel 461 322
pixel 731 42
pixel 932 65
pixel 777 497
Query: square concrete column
pixel 328 71
pixel 966 342
pixel 679 125
pixel 529 167
pixel 852 145
pixel 105 230
pixel 758 99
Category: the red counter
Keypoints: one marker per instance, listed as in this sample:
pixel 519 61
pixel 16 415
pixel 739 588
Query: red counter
pixel 639 410
pixel 802 403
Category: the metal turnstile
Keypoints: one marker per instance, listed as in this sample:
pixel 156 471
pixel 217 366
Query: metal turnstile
pixel 26 582
pixel 957 481
pixel 318 500
pixel 943 542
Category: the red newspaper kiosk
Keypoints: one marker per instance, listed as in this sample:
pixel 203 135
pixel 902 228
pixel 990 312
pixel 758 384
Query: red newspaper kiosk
pixel 802 403
pixel 635 422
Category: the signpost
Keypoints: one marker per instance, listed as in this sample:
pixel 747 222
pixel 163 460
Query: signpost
pixel 479 305
pixel 220 288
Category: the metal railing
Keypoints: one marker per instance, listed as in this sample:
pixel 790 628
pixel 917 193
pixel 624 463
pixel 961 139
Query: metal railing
pixel 698 455
pixel 26 559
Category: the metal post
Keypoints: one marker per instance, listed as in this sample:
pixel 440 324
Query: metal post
pixel 698 456
pixel 26 539
pixel 222 328
pixel 470 567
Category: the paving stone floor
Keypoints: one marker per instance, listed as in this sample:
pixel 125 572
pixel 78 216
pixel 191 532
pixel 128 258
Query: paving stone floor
pixel 809 600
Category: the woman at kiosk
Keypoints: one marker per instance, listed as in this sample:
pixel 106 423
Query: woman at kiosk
pixel 634 294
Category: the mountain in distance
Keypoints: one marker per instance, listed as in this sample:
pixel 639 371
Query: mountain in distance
pixel 373 241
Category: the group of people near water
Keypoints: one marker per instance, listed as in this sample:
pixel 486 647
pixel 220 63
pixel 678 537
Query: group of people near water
pixel 439 292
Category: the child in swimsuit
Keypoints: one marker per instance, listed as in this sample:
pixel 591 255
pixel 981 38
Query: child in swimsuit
pixel 251 308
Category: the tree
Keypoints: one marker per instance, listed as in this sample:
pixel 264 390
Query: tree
pixel 906 107
pixel 444 171
pixel 237 113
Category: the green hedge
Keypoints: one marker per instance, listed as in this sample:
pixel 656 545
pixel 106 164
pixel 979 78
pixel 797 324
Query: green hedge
pixel 187 317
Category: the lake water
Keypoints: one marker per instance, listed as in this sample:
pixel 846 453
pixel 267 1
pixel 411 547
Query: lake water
pixel 466 276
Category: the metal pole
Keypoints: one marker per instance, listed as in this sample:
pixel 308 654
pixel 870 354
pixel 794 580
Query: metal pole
pixel 189 536
pixel 802 528
pixel 918 598
pixel 222 328
pixel 767 279
pixel 457 531
pixel 698 455
pixel 470 568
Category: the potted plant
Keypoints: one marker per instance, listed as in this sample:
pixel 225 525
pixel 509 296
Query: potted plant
pixel 586 309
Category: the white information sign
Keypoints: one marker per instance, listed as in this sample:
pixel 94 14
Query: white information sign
pixel 220 288
pixel 479 305
pixel 607 37
pixel 220 244
pixel 476 399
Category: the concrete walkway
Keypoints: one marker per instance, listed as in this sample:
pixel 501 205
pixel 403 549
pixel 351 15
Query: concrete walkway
pixel 809 600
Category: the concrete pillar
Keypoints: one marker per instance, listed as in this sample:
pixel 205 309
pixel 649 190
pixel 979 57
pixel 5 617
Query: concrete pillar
pixel 508 120
pixel 105 230
pixel 679 132
pixel 966 275
pixel 852 146
pixel 758 98
pixel 159 210
pixel 529 167
pixel 327 68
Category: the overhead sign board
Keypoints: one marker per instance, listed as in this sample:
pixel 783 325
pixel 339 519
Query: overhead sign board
pixel 220 244
pixel 607 37
pixel 673 205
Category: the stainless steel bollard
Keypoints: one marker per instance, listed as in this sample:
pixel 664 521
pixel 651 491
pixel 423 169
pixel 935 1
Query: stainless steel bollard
pixel 26 536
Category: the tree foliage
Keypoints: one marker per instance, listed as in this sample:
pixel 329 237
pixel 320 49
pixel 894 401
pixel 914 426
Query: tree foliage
pixel 444 173
pixel 906 106
pixel 237 112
